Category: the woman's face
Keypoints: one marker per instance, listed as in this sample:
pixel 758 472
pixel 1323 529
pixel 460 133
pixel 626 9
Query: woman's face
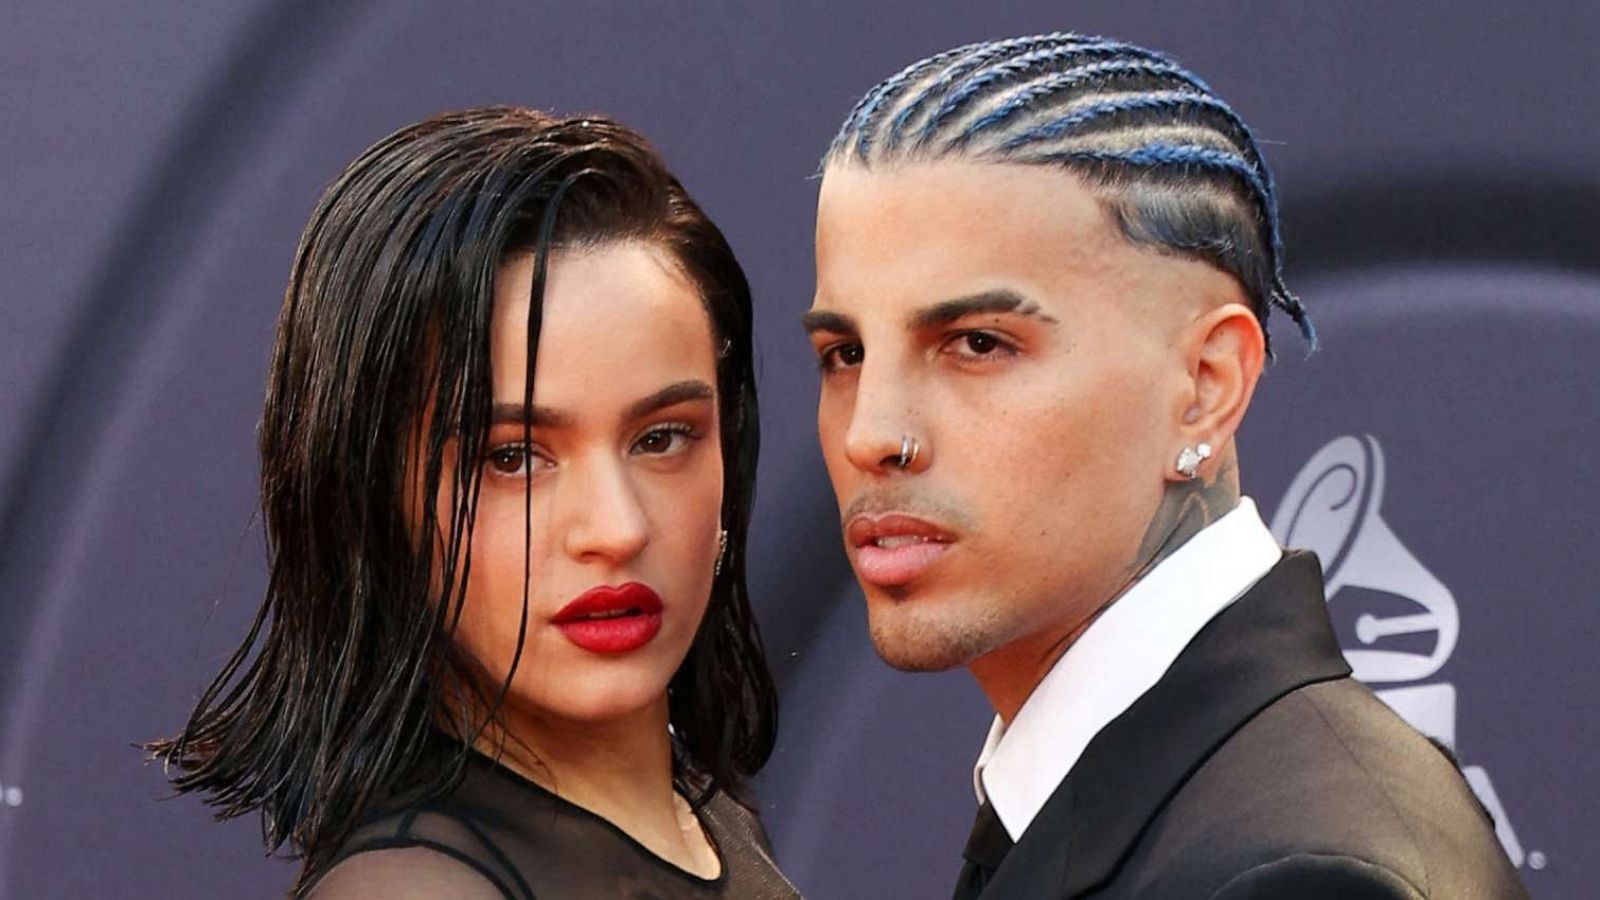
pixel 622 479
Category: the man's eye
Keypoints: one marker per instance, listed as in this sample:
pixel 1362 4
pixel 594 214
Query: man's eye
pixel 975 344
pixel 665 440
pixel 841 356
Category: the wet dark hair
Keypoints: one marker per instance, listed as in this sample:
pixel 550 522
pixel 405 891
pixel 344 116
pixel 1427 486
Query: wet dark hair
pixel 328 703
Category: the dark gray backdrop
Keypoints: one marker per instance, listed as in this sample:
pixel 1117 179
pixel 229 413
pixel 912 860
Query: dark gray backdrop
pixel 1438 164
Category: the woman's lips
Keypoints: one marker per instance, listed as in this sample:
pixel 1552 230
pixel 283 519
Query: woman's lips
pixel 611 619
pixel 894 549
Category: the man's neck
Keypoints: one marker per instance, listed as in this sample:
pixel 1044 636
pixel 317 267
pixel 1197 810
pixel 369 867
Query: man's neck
pixel 1009 675
pixel 1186 507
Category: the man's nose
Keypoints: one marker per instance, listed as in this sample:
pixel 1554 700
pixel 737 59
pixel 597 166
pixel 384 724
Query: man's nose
pixel 883 436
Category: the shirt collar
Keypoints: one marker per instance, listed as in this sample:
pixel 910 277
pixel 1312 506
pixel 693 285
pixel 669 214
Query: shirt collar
pixel 1116 660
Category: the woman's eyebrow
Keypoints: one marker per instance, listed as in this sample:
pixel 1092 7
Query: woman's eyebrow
pixel 545 417
pixel 538 417
pixel 671 395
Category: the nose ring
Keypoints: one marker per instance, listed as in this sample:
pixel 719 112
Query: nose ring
pixel 909 448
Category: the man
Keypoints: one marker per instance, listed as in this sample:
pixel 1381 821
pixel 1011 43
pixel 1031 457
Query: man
pixel 1044 267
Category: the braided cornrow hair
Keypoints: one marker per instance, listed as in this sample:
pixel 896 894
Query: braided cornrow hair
pixel 1177 166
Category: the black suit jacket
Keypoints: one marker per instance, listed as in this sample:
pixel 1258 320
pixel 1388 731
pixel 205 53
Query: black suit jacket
pixel 1257 768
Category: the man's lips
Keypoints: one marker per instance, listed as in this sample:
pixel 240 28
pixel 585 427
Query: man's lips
pixel 892 549
pixel 611 619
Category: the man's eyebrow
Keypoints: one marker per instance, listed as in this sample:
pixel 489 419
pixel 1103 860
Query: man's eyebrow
pixel 822 320
pixel 997 301
pixel 544 417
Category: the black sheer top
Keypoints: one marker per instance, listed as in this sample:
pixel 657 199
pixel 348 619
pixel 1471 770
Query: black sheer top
pixel 499 835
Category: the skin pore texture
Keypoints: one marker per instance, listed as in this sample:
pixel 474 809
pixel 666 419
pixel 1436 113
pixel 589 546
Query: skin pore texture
pixel 623 480
pixel 1050 371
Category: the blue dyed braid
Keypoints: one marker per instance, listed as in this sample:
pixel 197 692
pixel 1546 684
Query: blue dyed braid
pixel 862 118
pixel 1175 101
pixel 1122 116
pixel 1028 98
pixel 960 68
pixel 985 83
pixel 1193 157
pixel 1181 102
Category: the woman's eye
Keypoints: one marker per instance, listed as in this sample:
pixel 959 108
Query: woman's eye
pixel 665 440
pixel 511 459
pixel 841 356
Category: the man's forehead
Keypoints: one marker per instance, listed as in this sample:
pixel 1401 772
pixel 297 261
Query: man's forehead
pixel 950 166
pixel 905 186
pixel 949 220
pixel 910 235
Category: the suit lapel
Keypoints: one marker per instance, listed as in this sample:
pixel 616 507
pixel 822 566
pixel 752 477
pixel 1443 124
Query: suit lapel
pixel 1272 640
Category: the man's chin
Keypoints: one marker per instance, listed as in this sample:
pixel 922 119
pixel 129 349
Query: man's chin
pixel 907 659
pixel 913 643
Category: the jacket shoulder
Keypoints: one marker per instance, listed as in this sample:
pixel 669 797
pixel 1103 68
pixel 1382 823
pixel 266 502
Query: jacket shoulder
pixel 1329 777
pixel 1309 876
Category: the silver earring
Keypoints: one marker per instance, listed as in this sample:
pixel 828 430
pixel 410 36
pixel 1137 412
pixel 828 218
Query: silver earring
pixel 722 551
pixel 909 448
pixel 1190 458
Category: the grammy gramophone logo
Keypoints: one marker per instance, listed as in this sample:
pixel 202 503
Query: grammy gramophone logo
pixel 1332 508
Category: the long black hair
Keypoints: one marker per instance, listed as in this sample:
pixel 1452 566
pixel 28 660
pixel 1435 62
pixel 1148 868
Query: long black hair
pixel 326 705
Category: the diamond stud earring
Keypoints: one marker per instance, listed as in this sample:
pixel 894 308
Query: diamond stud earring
pixel 1190 458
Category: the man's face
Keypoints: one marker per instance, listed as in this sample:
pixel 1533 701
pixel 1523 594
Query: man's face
pixel 996 315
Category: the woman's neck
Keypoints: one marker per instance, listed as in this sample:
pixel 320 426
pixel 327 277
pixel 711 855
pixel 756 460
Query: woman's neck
pixel 619 769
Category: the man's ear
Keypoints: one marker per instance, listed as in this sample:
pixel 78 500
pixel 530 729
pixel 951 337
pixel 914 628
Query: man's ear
pixel 1225 350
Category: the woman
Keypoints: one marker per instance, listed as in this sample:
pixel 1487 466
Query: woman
pixel 507 461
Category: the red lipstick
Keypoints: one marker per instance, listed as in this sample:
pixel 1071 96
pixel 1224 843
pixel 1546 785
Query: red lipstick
pixel 611 619
pixel 893 549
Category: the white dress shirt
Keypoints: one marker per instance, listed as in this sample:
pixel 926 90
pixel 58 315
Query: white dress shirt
pixel 1116 660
